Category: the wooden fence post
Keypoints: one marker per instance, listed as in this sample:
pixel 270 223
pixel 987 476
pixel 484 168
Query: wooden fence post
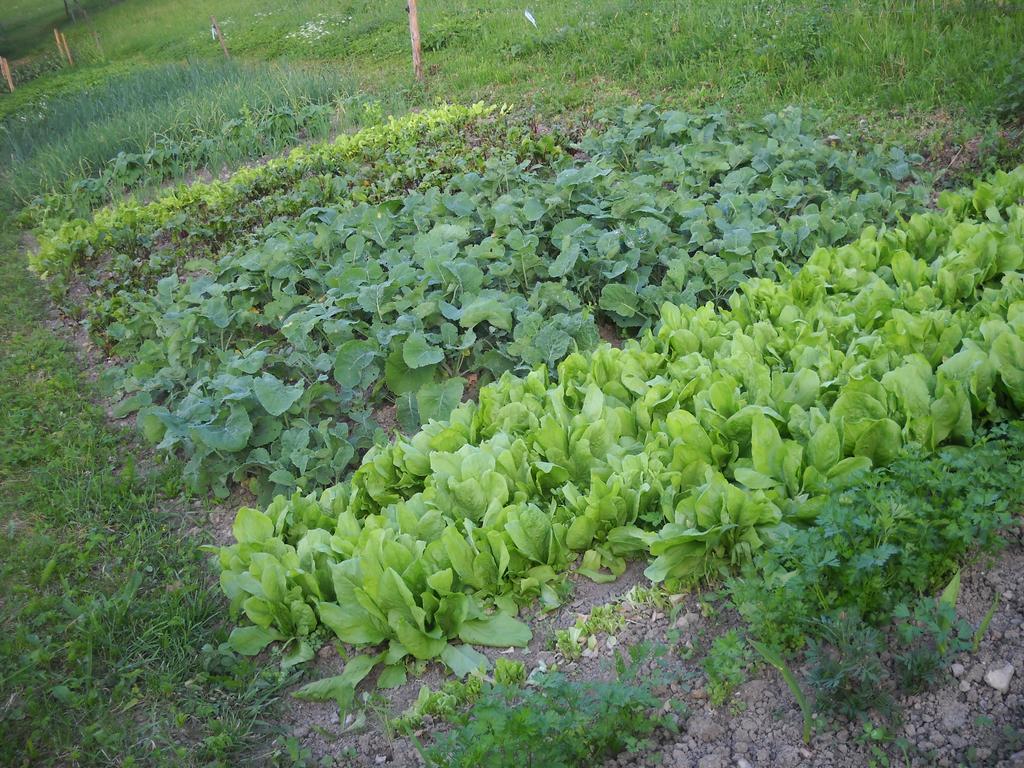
pixel 414 34
pixel 216 30
pixel 6 67
pixel 60 46
pixel 67 50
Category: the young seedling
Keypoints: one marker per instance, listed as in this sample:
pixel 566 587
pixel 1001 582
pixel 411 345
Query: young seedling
pixel 774 658
pixel 979 634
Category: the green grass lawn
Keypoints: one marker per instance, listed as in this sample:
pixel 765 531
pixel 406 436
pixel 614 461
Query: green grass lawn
pixel 850 57
pixel 109 632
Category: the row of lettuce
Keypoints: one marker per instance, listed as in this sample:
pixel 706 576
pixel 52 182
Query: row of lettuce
pixel 389 268
pixel 721 431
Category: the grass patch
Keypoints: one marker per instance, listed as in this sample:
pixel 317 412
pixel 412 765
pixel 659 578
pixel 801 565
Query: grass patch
pixel 109 633
pixel 57 138
pixel 851 58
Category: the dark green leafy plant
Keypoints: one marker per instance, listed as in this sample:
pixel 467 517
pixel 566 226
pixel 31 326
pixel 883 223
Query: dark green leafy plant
pixel 853 676
pixel 929 635
pixel 845 666
pixel 871 563
pixel 555 722
pixel 1010 106
pixel 726 666
pixel 385 270
pixel 900 532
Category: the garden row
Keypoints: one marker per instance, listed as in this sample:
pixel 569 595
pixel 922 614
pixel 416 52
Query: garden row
pixel 83 138
pixel 415 261
pixel 200 216
pixel 718 435
pixel 247 136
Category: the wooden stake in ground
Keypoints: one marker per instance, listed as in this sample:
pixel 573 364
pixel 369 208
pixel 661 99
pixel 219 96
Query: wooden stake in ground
pixel 95 34
pixel 60 46
pixel 414 33
pixel 6 67
pixel 67 50
pixel 216 31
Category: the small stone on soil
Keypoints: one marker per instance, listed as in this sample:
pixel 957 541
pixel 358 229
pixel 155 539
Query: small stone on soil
pixel 998 677
pixel 704 728
pixel 686 620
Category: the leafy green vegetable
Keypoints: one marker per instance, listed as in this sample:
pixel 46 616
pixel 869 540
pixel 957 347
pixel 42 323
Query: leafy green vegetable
pixel 340 688
pixel 416 352
pixel 301 294
pixel 714 442
pixel 249 641
pixel 555 722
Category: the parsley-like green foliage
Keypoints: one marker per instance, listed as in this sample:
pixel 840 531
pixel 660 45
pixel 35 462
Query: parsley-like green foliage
pixel 726 666
pixel 902 531
pixel 846 669
pixel 863 577
pixel 850 671
pixel 929 634
pixel 556 723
